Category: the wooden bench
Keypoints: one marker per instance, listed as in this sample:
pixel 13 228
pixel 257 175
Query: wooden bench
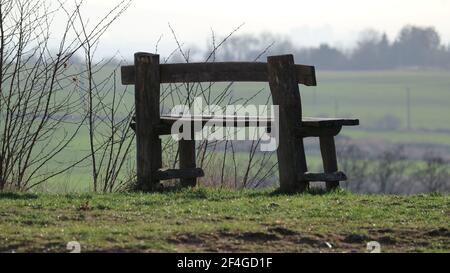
pixel 284 77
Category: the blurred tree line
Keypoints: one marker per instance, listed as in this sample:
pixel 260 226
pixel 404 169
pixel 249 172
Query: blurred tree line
pixel 414 47
pixel 391 170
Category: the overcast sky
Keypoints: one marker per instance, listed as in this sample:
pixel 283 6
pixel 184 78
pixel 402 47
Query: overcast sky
pixel 338 22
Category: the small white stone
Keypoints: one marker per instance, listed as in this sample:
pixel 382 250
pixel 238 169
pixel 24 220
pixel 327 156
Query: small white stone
pixel 327 245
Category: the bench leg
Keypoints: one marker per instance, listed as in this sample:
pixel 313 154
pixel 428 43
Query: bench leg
pixel 149 161
pixel 303 164
pixel 187 160
pixel 283 84
pixel 147 101
pixel 328 151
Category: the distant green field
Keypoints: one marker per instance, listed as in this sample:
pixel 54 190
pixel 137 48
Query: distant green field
pixel 375 97
pixel 371 96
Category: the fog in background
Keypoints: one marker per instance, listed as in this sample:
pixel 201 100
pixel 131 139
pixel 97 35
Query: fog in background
pixel 305 23
pixel 414 47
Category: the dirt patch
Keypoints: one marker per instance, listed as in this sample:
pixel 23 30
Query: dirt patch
pixel 282 231
pixel 191 239
pixel 258 236
pixel 209 242
pixel 281 239
pixel 387 240
pixel 356 239
pixel 409 237
pixel 381 231
pixel 442 232
pixel 309 241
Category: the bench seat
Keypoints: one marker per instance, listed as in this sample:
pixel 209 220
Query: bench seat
pixel 252 121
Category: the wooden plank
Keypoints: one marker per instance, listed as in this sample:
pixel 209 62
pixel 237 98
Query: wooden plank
pixel 222 121
pixel 128 74
pixel 147 97
pixel 214 72
pixel 220 72
pixel 286 94
pixel 329 122
pixel 307 129
pixel 187 160
pixel 323 177
pixel 169 174
pixel 252 121
pixel 329 159
pixel 306 75
pixel 304 132
pixel 317 131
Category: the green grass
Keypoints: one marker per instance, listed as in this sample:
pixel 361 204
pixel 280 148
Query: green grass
pixel 220 220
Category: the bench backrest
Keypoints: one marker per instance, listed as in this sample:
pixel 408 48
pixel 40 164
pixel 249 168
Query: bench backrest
pixel 219 72
pixel 281 72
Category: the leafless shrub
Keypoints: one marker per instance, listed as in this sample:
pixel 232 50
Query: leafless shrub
pixel 40 112
pixel 393 170
pixel 108 117
pixel 389 169
pixel 218 158
pixel 355 163
pixel 433 175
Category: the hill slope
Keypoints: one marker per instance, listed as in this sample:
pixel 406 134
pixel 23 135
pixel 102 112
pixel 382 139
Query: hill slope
pixel 220 220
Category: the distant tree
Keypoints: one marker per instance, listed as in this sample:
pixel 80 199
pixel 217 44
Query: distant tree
pixel 373 51
pixel 445 57
pixel 324 57
pixel 251 47
pixel 417 46
pixel 192 54
pixel 414 47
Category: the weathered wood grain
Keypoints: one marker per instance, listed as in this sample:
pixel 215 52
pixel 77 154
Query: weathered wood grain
pixel 147 101
pixel 329 122
pixel 253 121
pixel 283 81
pixel 220 72
pixel 323 177
pixel 329 159
pixel 187 160
pixel 169 174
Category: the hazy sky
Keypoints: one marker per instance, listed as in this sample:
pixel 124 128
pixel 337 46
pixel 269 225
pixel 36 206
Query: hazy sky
pixel 311 22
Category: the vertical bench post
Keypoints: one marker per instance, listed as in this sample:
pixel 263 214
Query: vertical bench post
pixel 187 160
pixel 286 94
pixel 329 159
pixel 147 96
